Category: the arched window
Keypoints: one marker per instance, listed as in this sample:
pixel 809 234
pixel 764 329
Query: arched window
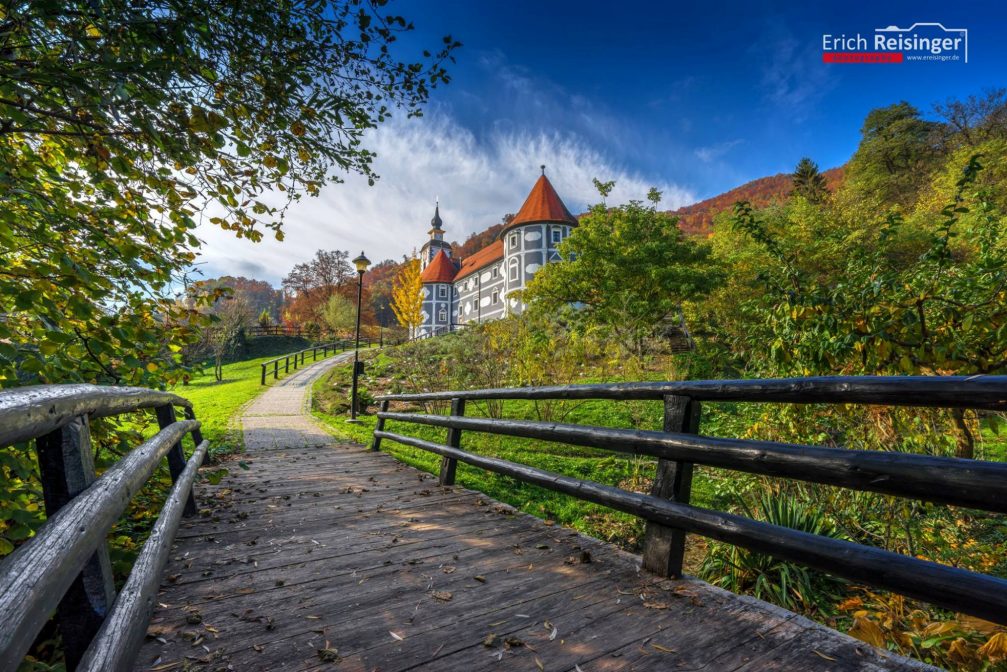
pixel 514 270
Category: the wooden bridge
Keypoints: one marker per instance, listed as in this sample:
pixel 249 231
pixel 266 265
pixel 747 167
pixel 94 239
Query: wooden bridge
pixel 323 555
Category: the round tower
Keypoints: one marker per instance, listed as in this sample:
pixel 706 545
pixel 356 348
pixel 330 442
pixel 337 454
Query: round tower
pixel 438 295
pixel 532 237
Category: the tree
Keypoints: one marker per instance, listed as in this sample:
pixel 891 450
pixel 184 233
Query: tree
pixel 977 119
pixel 265 319
pixel 808 182
pixel 897 303
pixel 340 314
pixel 629 267
pixel 121 120
pixel 407 296
pixel 897 151
pixel 226 332
pixel 258 295
pixel 378 287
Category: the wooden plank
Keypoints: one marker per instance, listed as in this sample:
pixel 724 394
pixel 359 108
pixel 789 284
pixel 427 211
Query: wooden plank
pixel 959 590
pixel 384 555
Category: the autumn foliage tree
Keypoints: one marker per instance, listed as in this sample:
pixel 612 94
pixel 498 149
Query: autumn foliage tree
pixel 121 120
pixel 407 297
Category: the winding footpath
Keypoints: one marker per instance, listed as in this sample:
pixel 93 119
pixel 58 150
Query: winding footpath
pixel 324 555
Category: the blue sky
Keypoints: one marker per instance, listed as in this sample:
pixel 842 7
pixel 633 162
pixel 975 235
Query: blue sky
pixel 694 99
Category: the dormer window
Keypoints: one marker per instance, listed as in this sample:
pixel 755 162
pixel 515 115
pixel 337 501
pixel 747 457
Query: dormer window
pixel 557 234
pixel 514 240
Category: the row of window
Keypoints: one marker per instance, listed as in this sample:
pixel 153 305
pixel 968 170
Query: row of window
pixel 556 236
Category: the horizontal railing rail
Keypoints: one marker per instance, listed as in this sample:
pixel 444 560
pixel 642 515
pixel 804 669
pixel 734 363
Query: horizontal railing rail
pixel 947 480
pixel 32 411
pixel 982 392
pixel 975 484
pixel 298 358
pixel 65 567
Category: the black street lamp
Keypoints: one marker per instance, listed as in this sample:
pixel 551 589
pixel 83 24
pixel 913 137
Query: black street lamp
pixel 361 263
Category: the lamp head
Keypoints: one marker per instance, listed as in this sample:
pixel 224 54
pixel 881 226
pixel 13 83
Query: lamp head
pixel 361 263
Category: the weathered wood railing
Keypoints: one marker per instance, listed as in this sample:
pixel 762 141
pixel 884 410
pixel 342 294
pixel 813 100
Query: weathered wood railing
pixel 961 482
pixel 299 357
pixel 65 566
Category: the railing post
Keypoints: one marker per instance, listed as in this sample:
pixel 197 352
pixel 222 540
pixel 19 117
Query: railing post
pixel 276 369
pixel 66 467
pixel 176 456
pixel 286 365
pixel 664 547
pixel 263 381
pixel 448 464
pixel 197 434
pixel 379 426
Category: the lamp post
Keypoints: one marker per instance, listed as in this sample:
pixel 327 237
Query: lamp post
pixel 361 263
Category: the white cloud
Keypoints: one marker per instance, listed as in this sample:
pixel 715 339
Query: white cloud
pixel 478 180
pixel 708 154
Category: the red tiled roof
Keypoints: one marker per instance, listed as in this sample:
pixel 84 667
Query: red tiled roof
pixel 440 269
pixel 492 252
pixel 543 205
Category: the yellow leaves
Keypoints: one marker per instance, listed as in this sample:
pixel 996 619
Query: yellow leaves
pixel 298 129
pixel 995 648
pixel 151 367
pixel 92 31
pixel 850 604
pixel 868 631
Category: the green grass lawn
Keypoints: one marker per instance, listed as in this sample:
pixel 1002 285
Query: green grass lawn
pixel 216 403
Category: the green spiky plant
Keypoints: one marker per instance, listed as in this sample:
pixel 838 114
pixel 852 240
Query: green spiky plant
pixel 786 584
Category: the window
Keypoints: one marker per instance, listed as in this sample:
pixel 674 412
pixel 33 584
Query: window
pixel 475 304
pixel 496 298
pixel 557 234
pixel 513 270
pixel 496 271
pixel 442 315
pixel 514 241
pixel 442 291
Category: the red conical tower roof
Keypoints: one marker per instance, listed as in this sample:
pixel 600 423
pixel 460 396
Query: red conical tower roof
pixel 543 205
pixel 440 269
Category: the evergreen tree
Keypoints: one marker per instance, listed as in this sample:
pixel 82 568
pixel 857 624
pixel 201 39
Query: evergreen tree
pixel 808 182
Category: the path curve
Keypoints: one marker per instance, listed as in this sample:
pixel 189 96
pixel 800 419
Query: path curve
pixel 280 417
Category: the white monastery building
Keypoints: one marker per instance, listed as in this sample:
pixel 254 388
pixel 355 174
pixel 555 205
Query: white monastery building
pixel 457 292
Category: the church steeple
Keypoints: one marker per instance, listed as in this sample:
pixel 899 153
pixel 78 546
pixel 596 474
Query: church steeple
pixel 436 242
pixel 436 222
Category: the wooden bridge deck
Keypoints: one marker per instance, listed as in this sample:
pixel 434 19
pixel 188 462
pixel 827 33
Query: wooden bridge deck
pixel 327 556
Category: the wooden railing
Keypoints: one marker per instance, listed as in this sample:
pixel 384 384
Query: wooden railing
pixel 669 515
pixel 299 357
pixel 65 567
